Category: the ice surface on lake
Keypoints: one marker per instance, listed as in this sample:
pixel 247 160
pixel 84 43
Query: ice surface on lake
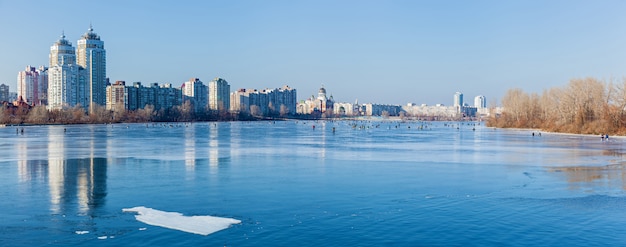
pixel 203 225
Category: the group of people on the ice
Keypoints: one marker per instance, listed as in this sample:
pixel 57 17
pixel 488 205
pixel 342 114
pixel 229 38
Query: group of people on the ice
pixel 605 137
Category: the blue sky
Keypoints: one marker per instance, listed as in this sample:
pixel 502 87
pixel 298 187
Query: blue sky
pixel 390 52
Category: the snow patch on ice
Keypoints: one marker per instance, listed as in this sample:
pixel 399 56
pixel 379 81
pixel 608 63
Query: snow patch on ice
pixel 203 225
pixel 81 232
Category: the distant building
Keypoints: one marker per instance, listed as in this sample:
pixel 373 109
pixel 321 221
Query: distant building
pixel 66 80
pixel 167 96
pixel 4 93
pixel 341 109
pixel 219 95
pixel 480 102
pixel 120 96
pixel 431 112
pixel 66 87
pixel 283 101
pixel 140 96
pixel 267 102
pixel 322 104
pixel 117 96
pixel 12 96
pixel 32 85
pixel 239 101
pixel 382 110
pixel 469 111
pixel 458 101
pixel 91 55
pixel 196 93
pixel 62 52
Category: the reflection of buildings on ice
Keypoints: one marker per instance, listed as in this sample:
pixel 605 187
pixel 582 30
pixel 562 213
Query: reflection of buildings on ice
pixel 214 147
pixel 72 182
pixel 219 145
pixel 190 148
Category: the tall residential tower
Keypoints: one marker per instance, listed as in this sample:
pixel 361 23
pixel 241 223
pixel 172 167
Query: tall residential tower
pixel 219 95
pixel 66 80
pixel 196 93
pixel 480 102
pixel 458 101
pixel 91 56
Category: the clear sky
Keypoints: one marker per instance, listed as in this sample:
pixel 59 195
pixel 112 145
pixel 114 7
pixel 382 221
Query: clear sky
pixel 390 52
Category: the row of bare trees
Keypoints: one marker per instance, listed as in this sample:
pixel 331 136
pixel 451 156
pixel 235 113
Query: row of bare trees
pixel 584 106
pixel 24 114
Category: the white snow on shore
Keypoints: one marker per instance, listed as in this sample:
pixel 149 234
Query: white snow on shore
pixel 203 225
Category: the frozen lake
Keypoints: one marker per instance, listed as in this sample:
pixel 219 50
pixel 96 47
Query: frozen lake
pixel 308 183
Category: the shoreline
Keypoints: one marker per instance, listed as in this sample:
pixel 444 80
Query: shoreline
pixel 556 133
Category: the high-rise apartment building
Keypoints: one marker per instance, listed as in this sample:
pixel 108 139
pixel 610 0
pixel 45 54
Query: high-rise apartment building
pixel 66 80
pixel 117 99
pixel 32 85
pixel 62 52
pixel 458 101
pixel 90 55
pixel 196 93
pixel 480 102
pixel 219 95
pixel 4 92
pixel 285 100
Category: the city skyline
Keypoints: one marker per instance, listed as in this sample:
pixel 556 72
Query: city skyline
pixel 421 52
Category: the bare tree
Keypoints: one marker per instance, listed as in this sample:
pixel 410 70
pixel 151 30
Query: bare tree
pixel 385 114
pixel 38 115
pixel 4 115
pixel 255 110
pixel 78 114
pixel 284 110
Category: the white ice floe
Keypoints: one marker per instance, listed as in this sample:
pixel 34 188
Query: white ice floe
pixel 81 232
pixel 203 225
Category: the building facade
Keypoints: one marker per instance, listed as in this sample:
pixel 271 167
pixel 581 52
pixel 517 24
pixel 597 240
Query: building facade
pixel 382 110
pixel 458 101
pixel 91 55
pixel 322 104
pixel 266 102
pixel 116 96
pixel 196 93
pixel 4 93
pixel 480 102
pixel 62 52
pixel 32 85
pixel 136 96
pixel 286 99
pixel 219 95
pixel 66 80
pixel 345 109
pixel 438 111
